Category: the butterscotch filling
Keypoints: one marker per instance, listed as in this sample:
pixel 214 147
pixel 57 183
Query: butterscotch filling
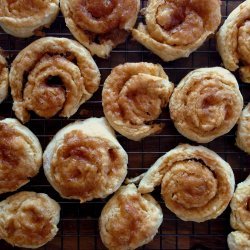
pixel 207 106
pixel 189 184
pixel 16 159
pixel 127 225
pixel 23 8
pixel 29 223
pixel 84 166
pixel 141 99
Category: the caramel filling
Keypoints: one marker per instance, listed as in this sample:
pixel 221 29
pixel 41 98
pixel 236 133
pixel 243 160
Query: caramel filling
pixel 142 99
pixel 25 8
pixel 208 105
pixel 16 161
pixel 30 222
pixel 84 166
pixel 189 184
pixel 127 226
pixel 103 20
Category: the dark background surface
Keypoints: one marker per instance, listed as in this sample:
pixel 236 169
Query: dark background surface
pixel 78 228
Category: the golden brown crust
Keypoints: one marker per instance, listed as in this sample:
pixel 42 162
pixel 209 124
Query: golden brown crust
pixel 133 96
pixel 20 155
pixel 232 41
pixel 243 130
pixel 240 205
pixel 52 75
pixel 28 219
pixel 196 184
pixel 206 104
pixel 23 18
pixel 129 219
pixel 85 161
pixel 238 241
pixel 100 25
pixel 4 78
pixel 175 28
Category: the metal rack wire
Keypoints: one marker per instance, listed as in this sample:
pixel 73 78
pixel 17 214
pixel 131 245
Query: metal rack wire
pixel 78 228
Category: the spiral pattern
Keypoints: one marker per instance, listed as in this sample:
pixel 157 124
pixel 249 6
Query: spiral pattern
pixel 20 155
pixel 175 28
pixel 23 18
pixel 196 183
pixel 4 78
pixel 243 130
pixel 232 41
pixel 98 24
pixel 28 219
pixel 85 165
pixel 206 104
pixel 133 96
pixel 129 219
pixel 50 76
pixel 240 205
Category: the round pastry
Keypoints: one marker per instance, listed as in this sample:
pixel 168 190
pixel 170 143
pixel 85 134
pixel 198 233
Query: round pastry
pixel 133 96
pixel 50 76
pixel 129 219
pixel 238 241
pixel 233 41
pixel 28 219
pixel 240 205
pixel 206 104
pixel 23 18
pixel 243 131
pixel 98 24
pixel 196 183
pixel 85 161
pixel 20 155
pixel 4 78
pixel 175 28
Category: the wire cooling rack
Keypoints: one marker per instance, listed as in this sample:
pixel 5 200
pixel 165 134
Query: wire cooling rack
pixel 78 228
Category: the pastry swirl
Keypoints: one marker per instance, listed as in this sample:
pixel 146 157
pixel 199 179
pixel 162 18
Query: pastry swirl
pixel 206 104
pixel 50 76
pixel 232 41
pixel 28 219
pixel 4 78
pixel 133 96
pixel 196 183
pixel 85 161
pixel 20 155
pixel 238 241
pixel 129 219
pixel 243 130
pixel 240 205
pixel 23 18
pixel 175 28
pixel 98 24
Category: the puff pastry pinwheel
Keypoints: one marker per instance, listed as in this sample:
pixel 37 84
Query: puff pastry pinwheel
pixel 175 28
pixel 85 161
pixel 129 219
pixel 233 41
pixel 28 219
pixel 238 240
pixel 240 205
pixel 243 130
pixel 23 18
pixel 20 155
pixel 4 78
pixel 98 24
pixel 206 104
pixel 50 76
pixel 133 96
pixel 196 183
